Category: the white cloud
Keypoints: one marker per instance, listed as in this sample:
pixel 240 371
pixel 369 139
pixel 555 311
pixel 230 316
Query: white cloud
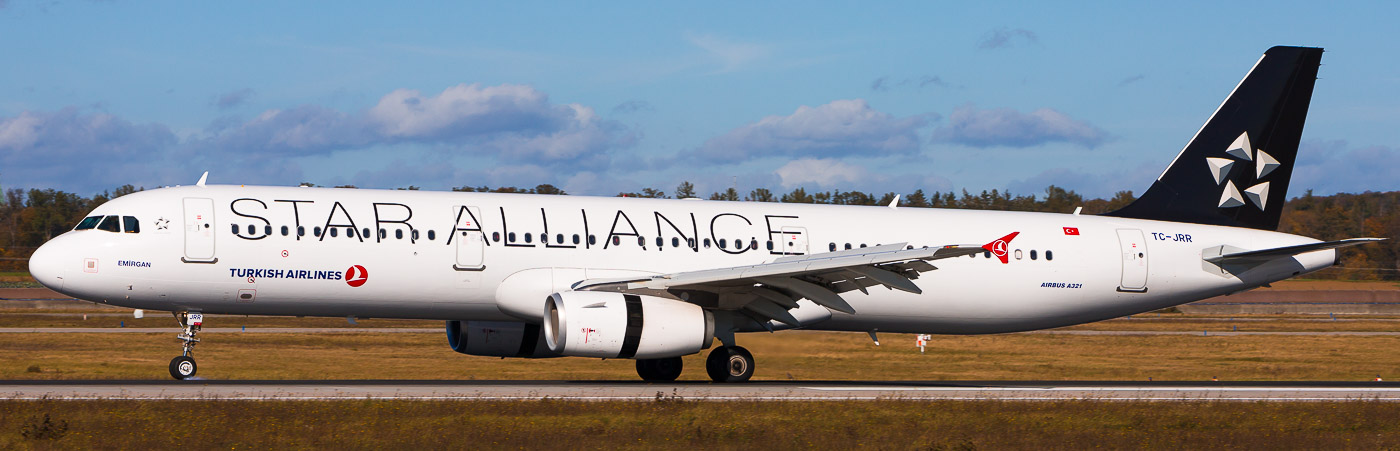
pixel 512 122
pixel 1004 37
pixel 975 127
pixel 729 54
pixel 820 172
pixel 90 150
pixel 1329 167
pixel 839 128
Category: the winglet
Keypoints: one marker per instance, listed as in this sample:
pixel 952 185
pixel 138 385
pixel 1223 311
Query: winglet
pixel 202 179
pixel 998 247
pixel 895 203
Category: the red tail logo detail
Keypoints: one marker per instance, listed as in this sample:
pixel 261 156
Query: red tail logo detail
pixel 998 247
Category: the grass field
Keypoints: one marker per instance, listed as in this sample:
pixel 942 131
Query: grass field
pixel 679 424
pixel 781 356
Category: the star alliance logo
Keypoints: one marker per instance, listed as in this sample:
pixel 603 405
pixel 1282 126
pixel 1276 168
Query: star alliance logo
pixel 162 224
pixel 1264 164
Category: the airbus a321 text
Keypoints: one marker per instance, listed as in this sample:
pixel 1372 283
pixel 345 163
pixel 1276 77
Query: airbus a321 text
pixel 533 276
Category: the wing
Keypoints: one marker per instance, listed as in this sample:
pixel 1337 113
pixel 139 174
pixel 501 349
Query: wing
pixel 768 291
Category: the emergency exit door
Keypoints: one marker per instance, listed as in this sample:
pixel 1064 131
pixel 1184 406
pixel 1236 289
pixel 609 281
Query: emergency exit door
pixel 199 230
pixel 1133 252
pixel 794 241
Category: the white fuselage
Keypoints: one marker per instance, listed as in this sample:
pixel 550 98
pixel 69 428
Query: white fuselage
pixel 237 250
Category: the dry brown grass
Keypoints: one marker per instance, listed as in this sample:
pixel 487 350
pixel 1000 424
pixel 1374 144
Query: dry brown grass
pixel 782 356
pixel 548 424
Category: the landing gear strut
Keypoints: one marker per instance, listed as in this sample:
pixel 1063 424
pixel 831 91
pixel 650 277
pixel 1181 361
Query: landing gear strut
pixel 183 367
pixel 729 364
pixel 659 370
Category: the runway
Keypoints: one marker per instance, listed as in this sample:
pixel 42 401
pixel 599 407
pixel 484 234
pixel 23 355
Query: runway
pixel 700 391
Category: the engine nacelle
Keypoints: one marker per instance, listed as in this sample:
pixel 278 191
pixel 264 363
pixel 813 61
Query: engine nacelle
pixel 626 326
pixel 498 339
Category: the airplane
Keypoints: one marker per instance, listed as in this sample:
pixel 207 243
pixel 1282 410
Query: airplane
pixel 540 276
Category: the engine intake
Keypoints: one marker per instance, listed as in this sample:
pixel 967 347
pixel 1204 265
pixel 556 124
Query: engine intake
pixel 498 339
pixel 625 326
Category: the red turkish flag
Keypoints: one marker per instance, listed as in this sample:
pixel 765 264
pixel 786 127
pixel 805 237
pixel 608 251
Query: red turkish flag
pixel 1071 231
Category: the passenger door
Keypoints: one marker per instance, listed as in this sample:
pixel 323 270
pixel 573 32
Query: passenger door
pixel 1133 251
pixel 199 231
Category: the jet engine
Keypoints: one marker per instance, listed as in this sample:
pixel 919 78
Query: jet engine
pixel 626 326
pixel 498 339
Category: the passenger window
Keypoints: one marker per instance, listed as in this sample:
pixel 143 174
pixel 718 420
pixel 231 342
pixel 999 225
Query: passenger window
pixel 1049 255
pixel 398 235
pixel 707 243
pixel 848 246
pixel 529 238
pixel 986 254
pixel 383 234
pixel 1018 254
pixel 235 228
pixel 496 236
pixel 334 232
pixel 414 235
pixel 286 231
pixel 88 223
pixel 432 235
pixel 559 238
pixel 832 247
pixel 753 244
pixel 110 224
pixel 592 240
pixel 130 224
pixel 770 245
pixel 660 242
pixel 575 238
pixel 617 241
pixel 267 230
pixel 301 231
pixel 722 244
pixel 690 242
pixel 1032 254
pixel 316 231
pixel 675 242
pixel 544 238
pixel 366 232
pixel 641 242
pixel 252 230
pixel 510 237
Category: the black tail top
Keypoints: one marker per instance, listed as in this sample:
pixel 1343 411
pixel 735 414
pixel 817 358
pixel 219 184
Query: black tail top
pixel 1235 171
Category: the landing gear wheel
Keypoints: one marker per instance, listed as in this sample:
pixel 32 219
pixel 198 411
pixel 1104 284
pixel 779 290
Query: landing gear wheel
pixel 182 367
pixel 659 370
pixel 729 364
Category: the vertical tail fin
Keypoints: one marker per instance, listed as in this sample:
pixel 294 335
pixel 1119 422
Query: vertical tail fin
pixel 1235 171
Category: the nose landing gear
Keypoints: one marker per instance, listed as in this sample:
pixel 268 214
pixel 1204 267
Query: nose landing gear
pixel 183 366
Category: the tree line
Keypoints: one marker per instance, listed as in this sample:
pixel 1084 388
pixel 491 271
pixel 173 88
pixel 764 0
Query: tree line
pixel 31 217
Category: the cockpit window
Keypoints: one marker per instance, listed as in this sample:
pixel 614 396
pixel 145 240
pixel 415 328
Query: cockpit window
pixel 130 224
pixel 88 223
pixel 110 224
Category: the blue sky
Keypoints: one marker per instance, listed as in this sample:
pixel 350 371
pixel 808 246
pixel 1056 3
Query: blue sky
pixel 603 98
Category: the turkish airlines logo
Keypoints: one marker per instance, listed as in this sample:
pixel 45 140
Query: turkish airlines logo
pixel 356 276
pixel 998 247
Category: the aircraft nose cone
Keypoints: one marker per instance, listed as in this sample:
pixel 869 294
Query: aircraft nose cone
pixel 46 265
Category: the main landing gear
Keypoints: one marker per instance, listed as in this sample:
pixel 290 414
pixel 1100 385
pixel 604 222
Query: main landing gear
pixel 729 364
pixel 183 367
pixel 659 370
pixel 725 364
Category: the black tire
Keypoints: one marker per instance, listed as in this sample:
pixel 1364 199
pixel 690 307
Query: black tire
pixel 183 367
pixel 729 364
pixel 660 370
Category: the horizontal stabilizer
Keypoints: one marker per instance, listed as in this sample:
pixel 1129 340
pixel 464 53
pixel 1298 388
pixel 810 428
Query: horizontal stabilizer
pixel 1263 255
